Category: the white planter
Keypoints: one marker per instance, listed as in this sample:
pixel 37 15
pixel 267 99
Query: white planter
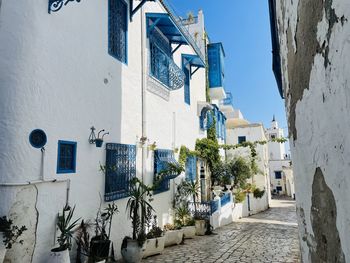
pixel 153 246
pixel 2 249
pixel 173 237
pixel 200 227
pixel 189 231
pixel 60 257
pixel 133 252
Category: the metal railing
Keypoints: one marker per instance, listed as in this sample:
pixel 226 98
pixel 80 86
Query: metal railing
pixel 228 100
pixel 182 26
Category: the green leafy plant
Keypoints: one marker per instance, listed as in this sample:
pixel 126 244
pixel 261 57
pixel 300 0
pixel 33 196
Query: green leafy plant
pixel 138 208
pixel 182 215
pixel 11 232
pixel 169 227
pixel 66 228
pixel 103 219
pixel 240 196
pixel 82 239
pixel 191 188
pixel 258 193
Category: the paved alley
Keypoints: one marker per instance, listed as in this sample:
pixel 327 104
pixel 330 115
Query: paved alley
pixel 270 236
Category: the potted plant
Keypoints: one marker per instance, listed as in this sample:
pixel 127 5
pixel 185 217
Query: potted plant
pixel 191 188
pixel 173 235
pixel 100 243
pixel 10 235
pixel 60 254
pixel 82 239
pixel 155 240
pixel 187 223
pixel 138 208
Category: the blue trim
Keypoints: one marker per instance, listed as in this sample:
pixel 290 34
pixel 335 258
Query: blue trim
pixel 186 68
pixel 126 32
pixel 66 171
pixel 44 137
pixel 216 56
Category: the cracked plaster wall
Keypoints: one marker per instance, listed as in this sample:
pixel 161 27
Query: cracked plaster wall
pixel 315 51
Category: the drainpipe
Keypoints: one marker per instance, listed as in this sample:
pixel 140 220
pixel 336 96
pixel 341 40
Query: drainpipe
pixel 143 95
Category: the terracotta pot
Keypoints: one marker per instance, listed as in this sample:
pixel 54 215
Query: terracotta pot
pixel 153 246
pixel 59 256
pixel 189 231
pixel 173 237
pixel 200 227
pixel 133 252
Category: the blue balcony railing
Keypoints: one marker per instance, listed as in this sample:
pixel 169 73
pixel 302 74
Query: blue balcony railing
pixel 225 199
pixel 228 101
pixel 202 209
pixel 214 204
pixel 182 26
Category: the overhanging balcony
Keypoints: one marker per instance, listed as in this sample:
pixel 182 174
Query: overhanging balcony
pixel 226 105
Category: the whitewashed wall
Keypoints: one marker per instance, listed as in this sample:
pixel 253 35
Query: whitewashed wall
pixel 315 49
pixel 56 74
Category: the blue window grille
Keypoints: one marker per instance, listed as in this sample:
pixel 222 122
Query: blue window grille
pixel 66 157
pixel 241 139
pixel 191 168
pixel 117 29
pixel 162 158
pixel 210 119
pixel 187 73
pixel 120 169
pixel 162 67
pixel 278 174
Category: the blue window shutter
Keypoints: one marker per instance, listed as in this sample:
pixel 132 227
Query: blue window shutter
pixel 191 168
pixel 120 169
pixel 66 157
pixel 161 159
pixel 214 66
pixel 210 119
pixel 117 29
pixel 187 83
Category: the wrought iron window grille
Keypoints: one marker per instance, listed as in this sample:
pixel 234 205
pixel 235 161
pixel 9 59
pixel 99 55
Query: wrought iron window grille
pixel 163 67
pixel 120 169
pixel 56 5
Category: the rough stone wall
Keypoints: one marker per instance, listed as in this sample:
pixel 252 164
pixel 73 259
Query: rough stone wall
pixel 315 50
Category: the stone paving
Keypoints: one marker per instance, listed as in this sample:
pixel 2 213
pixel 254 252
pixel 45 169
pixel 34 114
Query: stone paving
pixel 270 236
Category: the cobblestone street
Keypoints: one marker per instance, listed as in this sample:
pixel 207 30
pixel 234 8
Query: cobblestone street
pixel 270 236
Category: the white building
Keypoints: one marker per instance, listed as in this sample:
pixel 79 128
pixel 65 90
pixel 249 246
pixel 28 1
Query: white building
pixel 64 68
pixel 280 163
pixel 239 130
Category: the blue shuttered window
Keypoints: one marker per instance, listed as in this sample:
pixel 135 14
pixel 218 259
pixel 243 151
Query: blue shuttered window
pixel 117 29
pixel 187 84
pixel 120 169
pixel 162 158
pixel 66 157
pixel 216 65
pixel 191 168
pixel 160 52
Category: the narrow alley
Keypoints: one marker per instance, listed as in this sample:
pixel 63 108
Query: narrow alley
pixel 270 236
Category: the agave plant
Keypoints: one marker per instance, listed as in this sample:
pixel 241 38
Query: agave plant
pixel 139 208
pixel 66 228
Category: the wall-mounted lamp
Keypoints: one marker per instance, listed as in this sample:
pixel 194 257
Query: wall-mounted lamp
pixel 99 140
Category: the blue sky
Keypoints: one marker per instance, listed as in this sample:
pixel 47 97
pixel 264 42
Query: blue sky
pixel 243 28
